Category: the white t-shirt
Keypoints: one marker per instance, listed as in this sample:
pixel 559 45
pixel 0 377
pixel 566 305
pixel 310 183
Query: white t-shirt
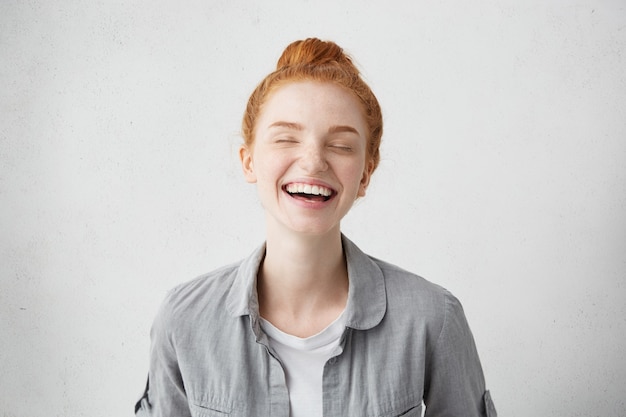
pixel 303 360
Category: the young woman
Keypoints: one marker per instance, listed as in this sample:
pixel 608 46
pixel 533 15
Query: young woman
pixel 308 325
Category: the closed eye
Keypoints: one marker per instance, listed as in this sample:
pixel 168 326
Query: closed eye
pixel 344 148
pixel 286 140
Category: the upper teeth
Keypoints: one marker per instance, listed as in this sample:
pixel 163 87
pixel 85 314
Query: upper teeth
pixel 309 189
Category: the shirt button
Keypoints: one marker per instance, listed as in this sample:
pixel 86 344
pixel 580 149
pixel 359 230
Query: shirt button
pixel 332 361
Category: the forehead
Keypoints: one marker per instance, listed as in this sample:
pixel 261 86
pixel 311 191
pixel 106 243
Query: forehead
pixel 313 103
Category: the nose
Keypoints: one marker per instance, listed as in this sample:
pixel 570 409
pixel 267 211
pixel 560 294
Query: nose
pixel 313 159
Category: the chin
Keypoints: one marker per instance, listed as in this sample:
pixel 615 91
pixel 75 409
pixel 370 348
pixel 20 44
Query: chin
pixel 312 230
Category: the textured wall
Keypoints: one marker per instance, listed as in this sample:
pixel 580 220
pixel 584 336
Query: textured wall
pixel 503 179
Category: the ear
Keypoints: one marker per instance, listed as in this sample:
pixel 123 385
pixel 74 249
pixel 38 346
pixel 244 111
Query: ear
pixel 247 164
pixel 365 179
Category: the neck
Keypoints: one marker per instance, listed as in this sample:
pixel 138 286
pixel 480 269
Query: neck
pixel 303 282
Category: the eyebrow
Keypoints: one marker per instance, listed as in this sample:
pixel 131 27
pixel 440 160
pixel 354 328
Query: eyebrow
pixel 340 129
pixel 288 125
pixel 298 126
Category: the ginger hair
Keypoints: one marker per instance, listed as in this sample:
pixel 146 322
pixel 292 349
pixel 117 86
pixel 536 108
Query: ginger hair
pixel 323 61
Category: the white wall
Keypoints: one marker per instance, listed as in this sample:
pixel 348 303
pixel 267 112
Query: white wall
pixel 503 179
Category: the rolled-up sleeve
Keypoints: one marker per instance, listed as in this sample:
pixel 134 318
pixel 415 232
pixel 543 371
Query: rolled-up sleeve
pixel 455 384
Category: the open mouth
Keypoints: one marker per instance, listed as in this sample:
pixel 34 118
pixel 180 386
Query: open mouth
pixel 309 192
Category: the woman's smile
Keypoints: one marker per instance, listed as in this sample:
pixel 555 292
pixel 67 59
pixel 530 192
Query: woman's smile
pixel 312 194
pixel 300 189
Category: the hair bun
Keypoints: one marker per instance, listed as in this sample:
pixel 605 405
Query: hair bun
pixel 313 51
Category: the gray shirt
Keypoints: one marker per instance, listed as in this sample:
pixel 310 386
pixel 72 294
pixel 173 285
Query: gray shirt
pixel 406 340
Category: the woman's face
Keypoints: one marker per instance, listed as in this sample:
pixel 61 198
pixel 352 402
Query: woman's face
pixel 309 156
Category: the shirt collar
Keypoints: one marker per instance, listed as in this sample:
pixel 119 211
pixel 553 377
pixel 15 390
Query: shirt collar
pixel 367 300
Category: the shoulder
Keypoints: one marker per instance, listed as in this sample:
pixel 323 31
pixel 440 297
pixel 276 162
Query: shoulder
pixel 401 281
pixel 199 296
pixel 410 294
pixel 216 280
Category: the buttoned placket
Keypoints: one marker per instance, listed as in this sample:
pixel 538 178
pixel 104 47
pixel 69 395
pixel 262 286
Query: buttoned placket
pixel 279 394
pixel 332 388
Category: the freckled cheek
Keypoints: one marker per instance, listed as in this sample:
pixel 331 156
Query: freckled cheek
pixel 353 174
pixel 270 170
